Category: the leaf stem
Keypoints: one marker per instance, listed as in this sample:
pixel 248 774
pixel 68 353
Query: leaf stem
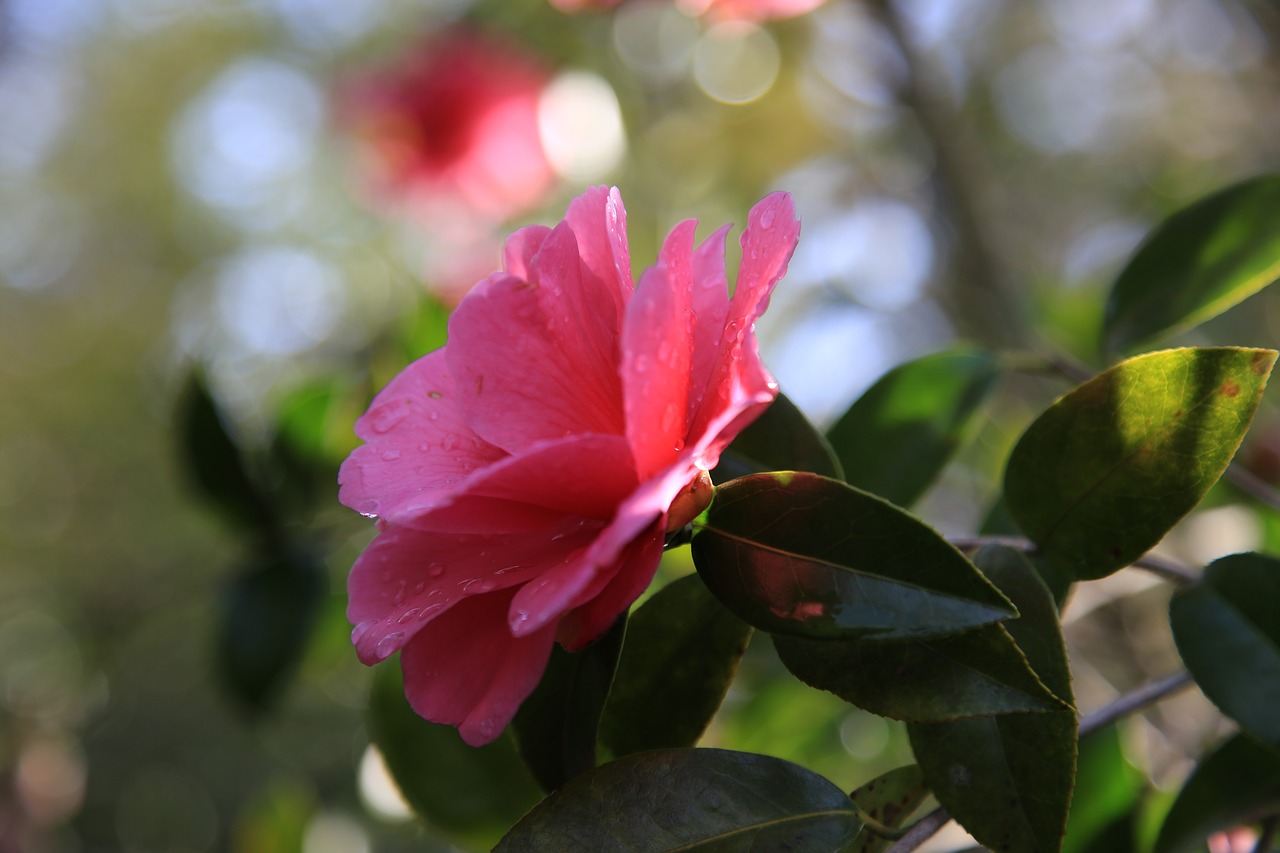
pixel 1134 700
pixel 921 831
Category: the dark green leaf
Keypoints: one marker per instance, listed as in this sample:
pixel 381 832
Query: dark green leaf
pixel 981 672
pixel 1238 783
pixel 690 799
pixel 1227 628
pixel 896 438
pixel 782 439
pixel 681 651
pixel 269 611
pixel 804 555
pixel 472 793
pixel 557 726
pixel 1008 779
pixel 424 329
pixel 215 462
pixel 999 522
pixel 1108 469
pixel 1197 264
pixel 1107 791
pixel 888 800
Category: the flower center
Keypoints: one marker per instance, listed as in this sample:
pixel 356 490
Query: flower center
pixel 691 501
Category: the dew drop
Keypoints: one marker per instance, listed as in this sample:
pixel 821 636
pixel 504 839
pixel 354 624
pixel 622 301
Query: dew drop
pixel 411 613
pixel 419 587
pixel 388 644
pixel 390 455
pixel 436 569
pixel 362 630
pixel 766 218
pixel 450 441
pixel 434 415
pixel 369 508
pixel 388 417
pixel 518 618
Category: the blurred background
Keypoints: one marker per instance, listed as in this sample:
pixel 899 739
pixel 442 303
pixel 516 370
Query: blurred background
pixel 224 224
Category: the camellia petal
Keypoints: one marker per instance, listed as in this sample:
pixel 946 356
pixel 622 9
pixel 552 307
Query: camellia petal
pixel 584 416
pixel 418 448
pixel 466 670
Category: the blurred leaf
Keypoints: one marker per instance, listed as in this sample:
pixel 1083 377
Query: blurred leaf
pixel 557 726
pixel 975 674
pixel 889 800
pixel 690 799
pixel 215 461
pixel 276 821
pixel 269 611
pixel 1107 791
pixel 799 554
pixel 472 793
pixel 317 421
pixel 1108 469
pixel 1198 263
pixel 424 329
pixel 1227 628
pixel 681 651
pixel 897 437
pixel 1008 779
pixel 782 439
pixel 1236 784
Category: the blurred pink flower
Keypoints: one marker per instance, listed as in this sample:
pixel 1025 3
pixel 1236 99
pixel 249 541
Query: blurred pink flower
pixel 526 474
pixel 724 10
pixel 454 124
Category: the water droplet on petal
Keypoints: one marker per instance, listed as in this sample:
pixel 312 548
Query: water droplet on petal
pixel 519 617
pixel 436 569
pixel 450 441
pixel 390 455
pixel 388 417
pixel 360 631
pixel 368 508
pixel 766 218
pixel 388 644
pixel 411 613
pixel 434 415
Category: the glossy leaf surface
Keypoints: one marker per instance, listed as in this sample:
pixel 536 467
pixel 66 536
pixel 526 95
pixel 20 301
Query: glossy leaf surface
pixel 800 554
pixel 1237 783
pixel 975 674
pixel 1008 779
pixel 690 799
pixel 1107 470
pixel 782 439
pixel 1197 264
pixel 1227 628
pixel 472 793
pixel 889 800
pixel 557 726
pixel 897 437
pixel 681 651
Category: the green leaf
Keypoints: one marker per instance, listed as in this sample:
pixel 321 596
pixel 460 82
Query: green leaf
pixel 1108 469
pixel 978 673
pixel 268 614
pixel 1107 791
pixel 1227 628
pixel 557 726
pixel 681 651
pixel 888 800
pixel 1236 784
pixel 998 522
pixel 690 799
pixel 1197 264
pixel 896 438
pixel 472 793
pixel 804 555
pixel 1008 779
pixel 782 439
pixel 215 462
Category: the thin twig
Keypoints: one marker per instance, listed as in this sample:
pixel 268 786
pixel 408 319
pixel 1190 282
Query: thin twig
pixel 1160 566
pixel 1129 703
pixel 1134 700
pixel 1253 485
pixel 921 831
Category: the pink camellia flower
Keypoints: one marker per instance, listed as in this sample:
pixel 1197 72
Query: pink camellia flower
pixel 455 124
pixel 723 10
pixel 525 475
